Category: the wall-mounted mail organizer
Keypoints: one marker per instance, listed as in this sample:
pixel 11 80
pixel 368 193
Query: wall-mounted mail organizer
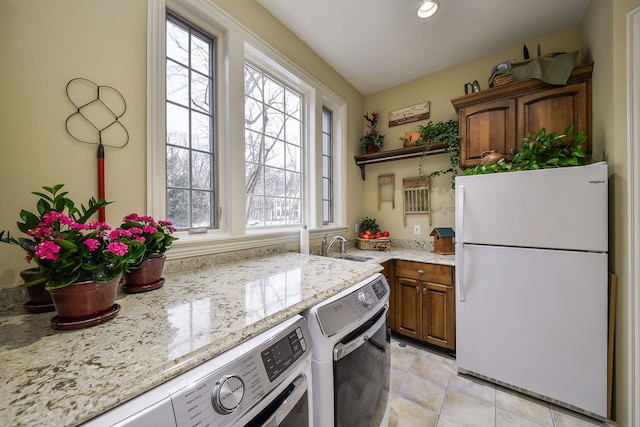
pixel 416 197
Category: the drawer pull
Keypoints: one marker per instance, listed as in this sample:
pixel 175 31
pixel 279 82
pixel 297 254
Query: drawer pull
pixel 420 271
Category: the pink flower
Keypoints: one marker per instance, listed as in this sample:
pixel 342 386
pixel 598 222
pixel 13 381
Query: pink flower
pixel 149 229
pixel 118 248
pixel 119 232
pixel 28 257
pixel 92 244
pixel 140 239
pixel 47 250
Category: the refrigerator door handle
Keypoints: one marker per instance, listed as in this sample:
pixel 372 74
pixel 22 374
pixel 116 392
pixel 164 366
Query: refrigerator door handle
pixel 460 246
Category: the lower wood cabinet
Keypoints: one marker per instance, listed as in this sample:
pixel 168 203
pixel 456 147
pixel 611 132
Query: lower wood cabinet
pixel 389 274
pixel 424 302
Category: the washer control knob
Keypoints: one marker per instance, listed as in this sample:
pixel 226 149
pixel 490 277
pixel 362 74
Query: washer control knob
pixel 366 298
pixel 227 394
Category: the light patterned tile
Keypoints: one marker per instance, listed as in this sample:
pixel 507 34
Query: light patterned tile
pixel 507 419
pixel 402 358
pixel 443 422
pixel 467 411
pixel 422 392
pixel 524 406
pixel 433 368
pixel 474 387
pixel 397 376
pixel 565 418
pixel 404 413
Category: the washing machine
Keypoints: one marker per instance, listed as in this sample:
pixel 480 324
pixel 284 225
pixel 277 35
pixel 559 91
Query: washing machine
pixel 264 381
pixel 351 356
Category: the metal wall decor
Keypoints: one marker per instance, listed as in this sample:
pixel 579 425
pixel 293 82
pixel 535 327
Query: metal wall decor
pixel 96 121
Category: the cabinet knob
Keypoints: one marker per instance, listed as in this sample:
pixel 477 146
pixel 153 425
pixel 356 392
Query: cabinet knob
pixel 424 291
pixel 420 271
pixel 417 289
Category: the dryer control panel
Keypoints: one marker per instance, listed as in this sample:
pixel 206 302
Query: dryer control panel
pixel 352 305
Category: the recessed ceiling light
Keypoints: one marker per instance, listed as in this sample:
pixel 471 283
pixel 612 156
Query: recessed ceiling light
pixel 428 8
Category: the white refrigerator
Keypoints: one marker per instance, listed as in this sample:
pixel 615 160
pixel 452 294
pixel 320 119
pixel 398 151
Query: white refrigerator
pixel 532 283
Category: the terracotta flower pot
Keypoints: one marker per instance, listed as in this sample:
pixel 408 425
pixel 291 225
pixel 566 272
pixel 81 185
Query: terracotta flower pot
pixel 145 278
pixel 38 295
pixel 372 149
pixel 85 301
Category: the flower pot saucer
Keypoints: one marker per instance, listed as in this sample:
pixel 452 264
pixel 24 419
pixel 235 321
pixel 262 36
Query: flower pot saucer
pixel 135 289
pixel 35 307
pixel 67 324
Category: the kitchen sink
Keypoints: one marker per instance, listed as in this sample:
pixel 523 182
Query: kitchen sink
pixel 351 257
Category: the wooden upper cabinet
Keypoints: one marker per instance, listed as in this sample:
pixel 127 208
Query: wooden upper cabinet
pixel 553 110
pixel 488 126
pixel 499 118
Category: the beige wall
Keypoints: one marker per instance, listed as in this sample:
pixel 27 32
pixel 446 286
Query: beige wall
pixel 438 88
pixel 604 32
pixel 45 44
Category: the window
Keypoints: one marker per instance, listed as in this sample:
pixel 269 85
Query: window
pixel 235 135
pixel 273 151
pixel 190 156
pixel 327 166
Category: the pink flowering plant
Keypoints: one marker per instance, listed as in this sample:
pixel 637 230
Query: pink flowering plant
pixel 68 251
pixel 155 236
pixel 373 136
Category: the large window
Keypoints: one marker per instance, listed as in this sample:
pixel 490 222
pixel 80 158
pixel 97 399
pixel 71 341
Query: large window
pixel 273 151
pixel 236 135
pixel 190 87
pixel 327 166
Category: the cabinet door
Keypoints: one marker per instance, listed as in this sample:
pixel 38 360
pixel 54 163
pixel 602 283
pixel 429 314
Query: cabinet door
pixel 484 127
pixel 408 306
pixel 389 274
pixel 438 317
pixel 555 109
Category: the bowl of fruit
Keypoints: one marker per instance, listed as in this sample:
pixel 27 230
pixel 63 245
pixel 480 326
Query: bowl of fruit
pixel 371 237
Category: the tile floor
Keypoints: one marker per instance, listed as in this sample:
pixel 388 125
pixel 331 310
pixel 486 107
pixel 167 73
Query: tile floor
pixel 426 391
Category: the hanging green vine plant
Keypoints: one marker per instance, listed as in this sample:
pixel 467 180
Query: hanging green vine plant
pixel 441 132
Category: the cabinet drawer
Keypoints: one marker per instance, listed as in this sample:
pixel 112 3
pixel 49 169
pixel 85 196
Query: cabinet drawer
pixel 435 273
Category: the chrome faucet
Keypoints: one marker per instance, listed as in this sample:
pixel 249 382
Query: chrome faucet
pixel 327 247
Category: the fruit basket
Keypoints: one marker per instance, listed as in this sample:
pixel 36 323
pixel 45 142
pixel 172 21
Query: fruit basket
pixel 379 244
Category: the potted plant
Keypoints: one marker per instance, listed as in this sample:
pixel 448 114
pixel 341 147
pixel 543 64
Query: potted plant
pixel 52 199
pixel 145 273
pixel 541 150
pixel 82 265
pixel 373 140
pixel 441 132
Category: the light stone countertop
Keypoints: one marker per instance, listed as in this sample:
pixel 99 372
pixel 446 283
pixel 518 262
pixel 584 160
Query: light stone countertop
pixel 64 378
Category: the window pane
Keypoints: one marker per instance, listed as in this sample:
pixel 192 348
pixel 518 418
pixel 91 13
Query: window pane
pixel 327 166
pixel 200 92
pixel 274 94
pixel 293 131
pixel 292 104
pixel 273 182
pixel 177 43
pixel 254 179
pixel 177 167
pixel 294 183
pixel 253 114
pixel 200 132
pixel 201 209
pixel 177 125
pixel 293 158
pixel 201 171
pixel 275 154
pixel 275 123
pixel 200 54
pixel 253 83
pixel 177 83
pixel 177 204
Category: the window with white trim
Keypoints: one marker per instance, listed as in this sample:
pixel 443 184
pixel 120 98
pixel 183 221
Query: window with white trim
pixel 294 165
pixel 190 106
pixel 273 151
pixel 327 166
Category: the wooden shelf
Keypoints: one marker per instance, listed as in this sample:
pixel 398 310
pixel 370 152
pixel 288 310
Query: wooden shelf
pixel 399 154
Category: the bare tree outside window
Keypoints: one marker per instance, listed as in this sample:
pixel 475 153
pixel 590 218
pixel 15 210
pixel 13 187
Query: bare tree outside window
pixel 273 151
pixel 190 86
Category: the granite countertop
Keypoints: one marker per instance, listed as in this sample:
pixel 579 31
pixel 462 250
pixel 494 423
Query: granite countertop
pixel 64 378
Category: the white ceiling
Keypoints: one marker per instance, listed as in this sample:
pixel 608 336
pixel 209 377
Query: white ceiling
pixel 378 44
